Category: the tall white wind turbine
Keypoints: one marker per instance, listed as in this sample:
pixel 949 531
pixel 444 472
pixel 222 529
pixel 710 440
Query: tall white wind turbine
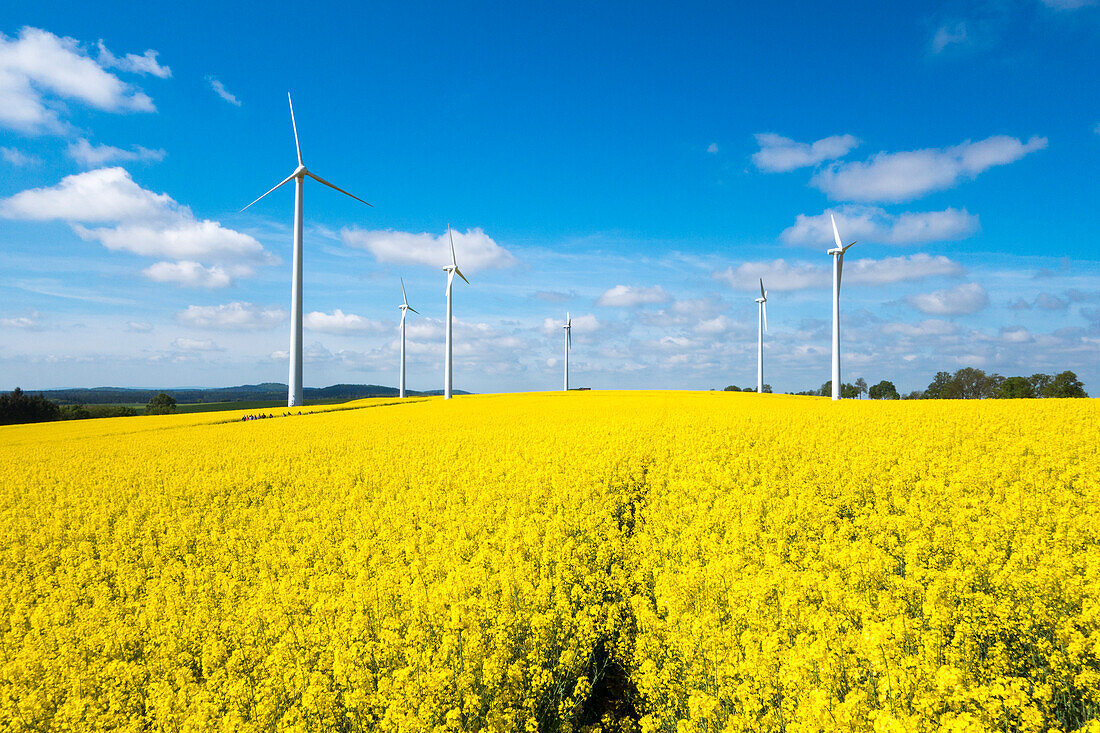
pixel 405 308
pixel 568 343
pixel 294 386
pixel 451 270
pixel 761 327
pixel 838 266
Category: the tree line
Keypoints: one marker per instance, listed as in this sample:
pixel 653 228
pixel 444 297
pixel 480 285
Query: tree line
pixel 967 383
pixel 19 407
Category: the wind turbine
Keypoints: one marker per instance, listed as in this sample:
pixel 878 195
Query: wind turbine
pixel 451 270
pixel 761 327
pixel 568 343
pixel 405 308
pixel 294 387
pixel 838 266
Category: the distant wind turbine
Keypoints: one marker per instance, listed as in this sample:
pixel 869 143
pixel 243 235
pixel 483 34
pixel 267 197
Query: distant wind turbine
pixel 294 387
pixel 405 308
pixel 838 267
pixel 451 270
pixel 568 343
pixel 761 327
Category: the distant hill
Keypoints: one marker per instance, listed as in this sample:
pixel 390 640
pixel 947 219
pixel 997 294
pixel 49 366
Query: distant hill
pixel 245 392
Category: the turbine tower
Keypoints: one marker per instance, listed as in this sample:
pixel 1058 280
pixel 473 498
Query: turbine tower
pixel 451 270
pixel 568 343
pixel 294 385
pixel 761 327
pixel 405 308
pixel 838 266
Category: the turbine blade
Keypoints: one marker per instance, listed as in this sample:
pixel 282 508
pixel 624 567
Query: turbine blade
pixel 839 269
pixel 322 180
pixel 461 275
pixel 450 236
pixel 414 310
pixel 765 306
pixel 762 295
pixel 286 180
pixel 846 248
pixel 295 125
pixel 836 234
pixel 403 296
pixel 569 338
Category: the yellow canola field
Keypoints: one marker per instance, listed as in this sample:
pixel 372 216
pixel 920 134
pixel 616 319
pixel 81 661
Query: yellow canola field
pixel 646 561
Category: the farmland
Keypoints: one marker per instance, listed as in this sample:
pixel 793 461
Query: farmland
pixel 621 561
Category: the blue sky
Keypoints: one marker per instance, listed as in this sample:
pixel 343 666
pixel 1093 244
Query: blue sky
pixel 637 165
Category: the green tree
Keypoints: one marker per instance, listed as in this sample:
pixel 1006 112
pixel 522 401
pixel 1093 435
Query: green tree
pixel 939 387
pixel 849 391
pixel 884 390
pixel 1040 382
pixel 767 388
pixel 1065 384
pixel 19 407
pixel 970 383
pixel 861 385
pixel 732 388
pixel 162 404
pixel 1015 388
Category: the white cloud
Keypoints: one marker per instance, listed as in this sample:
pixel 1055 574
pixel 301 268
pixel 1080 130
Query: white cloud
pixel 140 221
pixel 581 324
pixel 872 224
pixel 931 327
pixel 474 249
pixel 90 156
pixel 714 326
pixel 40 71
pixel 145 64
pixel 960 300
pixel 629 296
pixel 339 322
pixel 139 326
pixel 235 316
pixel 908 175
pixel 222 92
pixel 890 270
pixel 107 194
pixel 186 344
pixel 30 322
pixel 712 148
pixel 18 157
pixel 780 154
pixel 1017 335
pixel 188 273
pixel 954 35
pixel 780 275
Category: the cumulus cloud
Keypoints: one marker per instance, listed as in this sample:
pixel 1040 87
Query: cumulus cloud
pixel 780 154
pixel 90 156
pixel 145 64
pixel 712 148
pixel 188 273
pixel 907 175
pixel 18 158
pixel 474 249
pixel 629 296
pixel 950 35
pixel 960 300
pixel 139 326
pixel 186 344
pixel 931 327
pixel 339 322
pixel 872 224
pixel 781 275
pixel 41 72
pixel 222 92
pixel 231 316
pixel 138 221
pixel 31 322
pixel 581 324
